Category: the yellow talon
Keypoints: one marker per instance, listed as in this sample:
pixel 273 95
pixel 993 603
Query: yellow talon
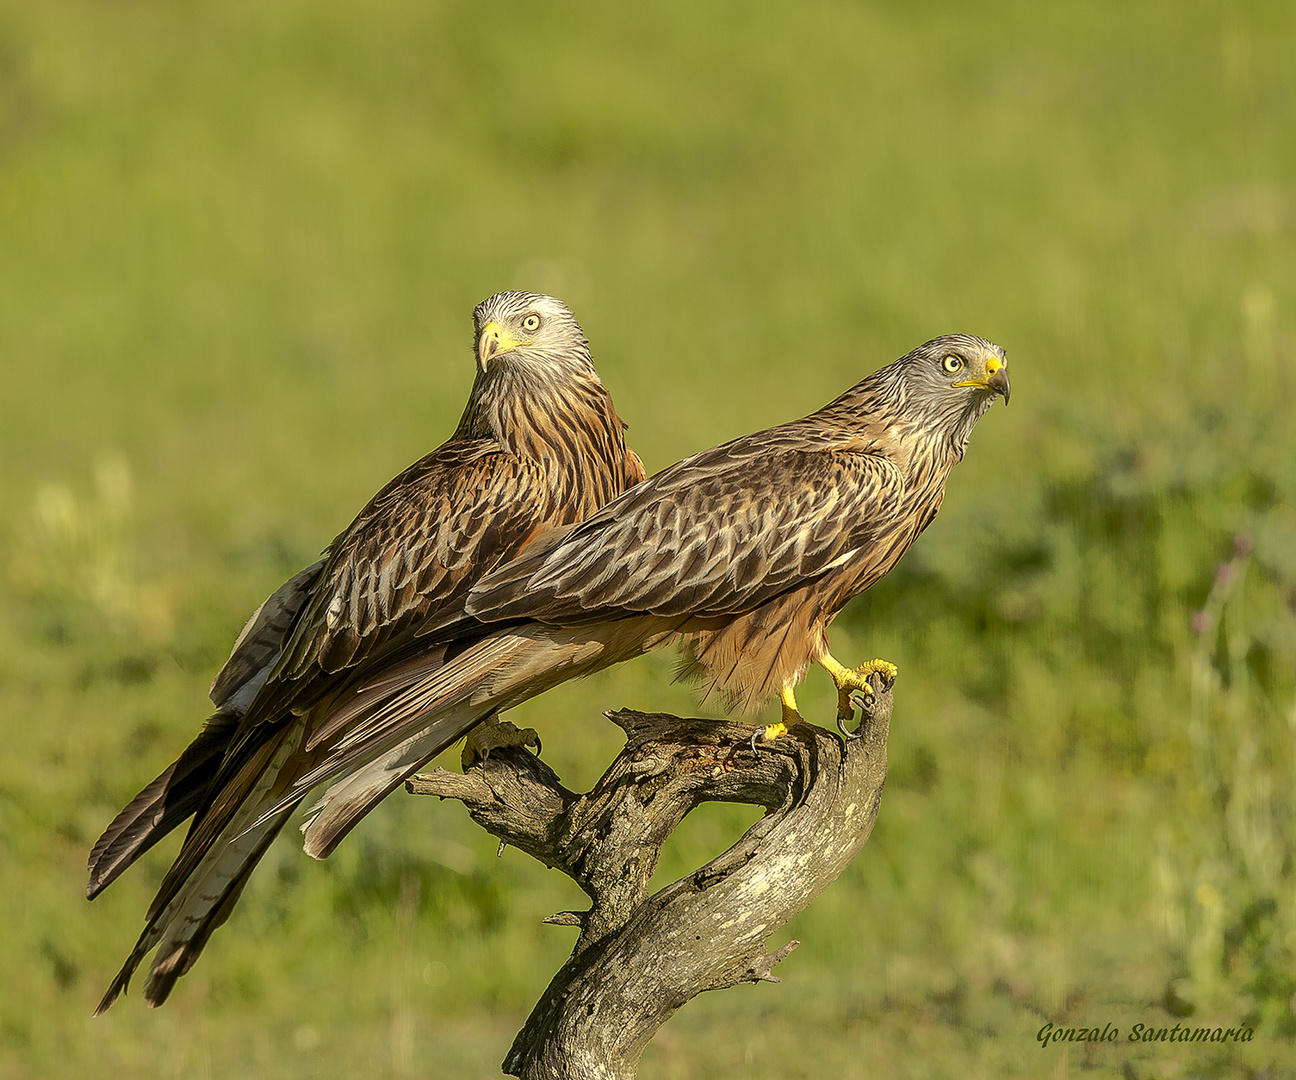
pixel 885 668
pixel 848 680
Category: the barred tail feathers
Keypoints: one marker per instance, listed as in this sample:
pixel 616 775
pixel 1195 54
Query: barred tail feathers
pixel 181 926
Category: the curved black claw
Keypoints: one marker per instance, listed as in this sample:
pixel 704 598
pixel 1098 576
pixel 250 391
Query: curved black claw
pixel 756 739
pixel 847 735
pixel 863 707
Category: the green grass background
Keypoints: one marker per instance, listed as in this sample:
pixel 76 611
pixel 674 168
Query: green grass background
pixel 239 245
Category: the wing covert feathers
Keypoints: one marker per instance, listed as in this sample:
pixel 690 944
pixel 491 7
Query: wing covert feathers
pixel 716 535
pixel 417 547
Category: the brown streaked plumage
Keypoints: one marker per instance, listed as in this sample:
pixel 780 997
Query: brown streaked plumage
pixel 746 552
pixel 539 447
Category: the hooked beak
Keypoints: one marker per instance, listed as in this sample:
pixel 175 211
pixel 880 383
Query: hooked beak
pixel 495 341
pixel 998 380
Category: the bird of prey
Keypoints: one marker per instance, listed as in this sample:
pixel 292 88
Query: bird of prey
pixel 745 552
pixel 539 446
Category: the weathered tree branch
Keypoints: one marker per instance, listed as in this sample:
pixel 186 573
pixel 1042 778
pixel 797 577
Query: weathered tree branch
pixel 638 957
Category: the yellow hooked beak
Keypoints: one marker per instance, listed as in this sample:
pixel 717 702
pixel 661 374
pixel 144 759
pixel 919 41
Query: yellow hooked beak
pixel 495 341
pixel 996 378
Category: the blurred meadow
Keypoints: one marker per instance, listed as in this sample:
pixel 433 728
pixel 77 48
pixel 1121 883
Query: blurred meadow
pixel 239 246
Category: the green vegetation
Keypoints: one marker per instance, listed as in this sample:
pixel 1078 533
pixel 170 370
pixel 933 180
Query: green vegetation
pixel 239 244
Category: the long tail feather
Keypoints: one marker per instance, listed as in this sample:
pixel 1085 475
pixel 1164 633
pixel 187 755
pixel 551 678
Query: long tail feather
pixel 190 930
pixel 184 787
pixel 411 715
pixel 427 716
pixel 190 905
pixel 349 800
pixel 160 806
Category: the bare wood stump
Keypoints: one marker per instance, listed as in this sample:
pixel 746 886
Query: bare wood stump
pixel 638 957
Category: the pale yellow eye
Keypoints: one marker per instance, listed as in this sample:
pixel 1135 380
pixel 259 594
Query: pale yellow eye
pixel 953 364
pixel 531 323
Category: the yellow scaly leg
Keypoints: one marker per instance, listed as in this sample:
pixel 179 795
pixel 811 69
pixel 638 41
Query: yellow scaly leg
pixel 790 716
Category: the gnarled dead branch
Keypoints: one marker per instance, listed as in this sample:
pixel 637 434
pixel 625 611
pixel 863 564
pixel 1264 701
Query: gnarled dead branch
pixel 639 957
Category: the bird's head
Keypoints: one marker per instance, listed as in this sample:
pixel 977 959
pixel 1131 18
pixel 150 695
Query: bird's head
pixel 512 329
pixel 952 381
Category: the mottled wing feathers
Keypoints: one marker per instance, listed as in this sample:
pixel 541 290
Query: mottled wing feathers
pixel 720 533
pixel 258 646
pixel 418 546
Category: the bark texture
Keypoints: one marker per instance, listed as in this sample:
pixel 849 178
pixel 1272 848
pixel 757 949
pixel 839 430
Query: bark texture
pixel 639 957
